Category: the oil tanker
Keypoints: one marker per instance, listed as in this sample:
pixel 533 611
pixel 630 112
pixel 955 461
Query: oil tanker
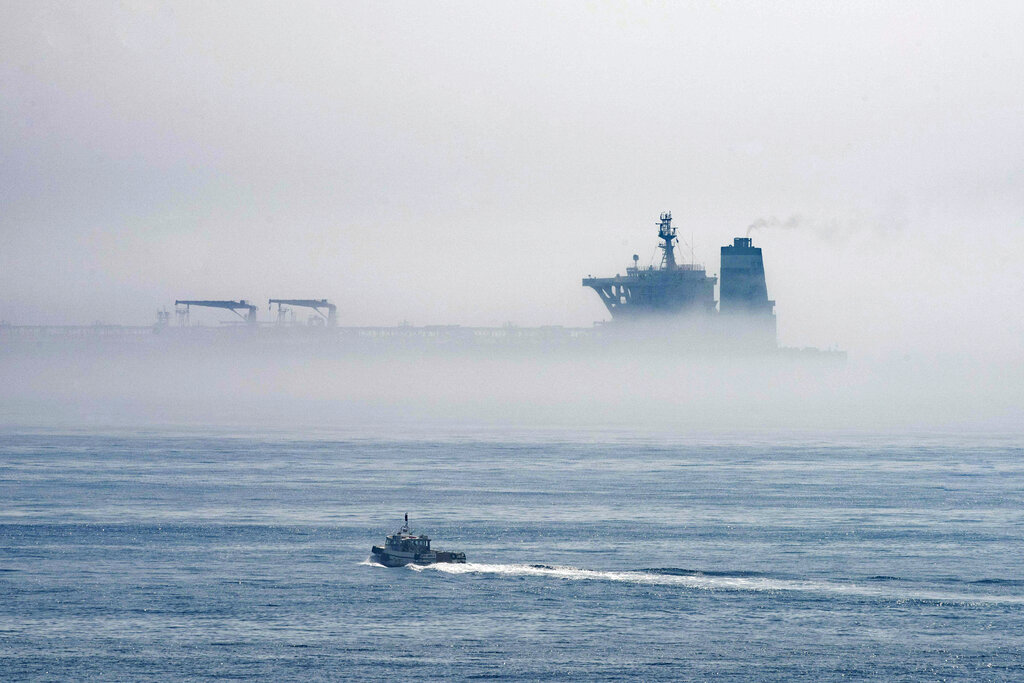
pixel 665 307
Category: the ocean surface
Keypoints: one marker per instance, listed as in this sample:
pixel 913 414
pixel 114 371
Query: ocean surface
pixel 171 555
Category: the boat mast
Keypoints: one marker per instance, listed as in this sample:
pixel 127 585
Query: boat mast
pixel 668 234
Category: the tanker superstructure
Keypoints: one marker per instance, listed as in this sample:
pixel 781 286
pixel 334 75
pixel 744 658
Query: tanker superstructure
pixel 678 299
pixel 674 289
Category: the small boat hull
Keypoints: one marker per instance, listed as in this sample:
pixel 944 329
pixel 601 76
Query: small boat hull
pixel 390 558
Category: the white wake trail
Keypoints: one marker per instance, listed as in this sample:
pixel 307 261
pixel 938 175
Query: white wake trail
pixel 717 583
pixel 638 577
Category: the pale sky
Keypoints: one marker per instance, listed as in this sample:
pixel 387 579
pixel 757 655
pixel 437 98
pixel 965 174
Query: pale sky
pixel 468 163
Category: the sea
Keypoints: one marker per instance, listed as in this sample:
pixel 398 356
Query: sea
pixel 180 554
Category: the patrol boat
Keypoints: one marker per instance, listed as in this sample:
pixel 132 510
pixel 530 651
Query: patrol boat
pixel 402 548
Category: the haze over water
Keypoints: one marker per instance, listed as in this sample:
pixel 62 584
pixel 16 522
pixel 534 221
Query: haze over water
pixel 174 508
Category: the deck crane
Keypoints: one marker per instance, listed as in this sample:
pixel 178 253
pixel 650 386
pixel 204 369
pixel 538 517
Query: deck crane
pixel 316 304
pixel 233 306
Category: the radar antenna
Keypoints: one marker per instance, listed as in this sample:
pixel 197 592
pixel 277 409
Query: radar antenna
pixel 668 235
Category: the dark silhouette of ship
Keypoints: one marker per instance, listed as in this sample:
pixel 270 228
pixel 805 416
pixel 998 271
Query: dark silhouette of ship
pixel 668 308
pixel 683 294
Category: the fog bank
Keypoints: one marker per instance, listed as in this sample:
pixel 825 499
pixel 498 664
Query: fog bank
pixel 644 392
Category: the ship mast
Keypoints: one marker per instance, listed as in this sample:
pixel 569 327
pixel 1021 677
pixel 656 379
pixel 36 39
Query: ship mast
pixel 668 235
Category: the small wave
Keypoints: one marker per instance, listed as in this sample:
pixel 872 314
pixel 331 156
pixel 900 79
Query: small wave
pixel 998 582
pixel 718 582
pixel 675 571
pixel 370 562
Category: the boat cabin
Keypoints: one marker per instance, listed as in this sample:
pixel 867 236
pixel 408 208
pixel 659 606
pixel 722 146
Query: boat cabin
pixel 409 544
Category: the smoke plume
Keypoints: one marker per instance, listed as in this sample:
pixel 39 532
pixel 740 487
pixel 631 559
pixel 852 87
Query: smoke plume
pixel 790 223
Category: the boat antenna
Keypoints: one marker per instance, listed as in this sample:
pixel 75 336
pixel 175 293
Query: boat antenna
pixel 668 235
pixel 406 527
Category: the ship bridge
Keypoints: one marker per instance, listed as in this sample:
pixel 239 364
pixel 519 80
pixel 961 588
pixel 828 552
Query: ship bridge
pixel 671 289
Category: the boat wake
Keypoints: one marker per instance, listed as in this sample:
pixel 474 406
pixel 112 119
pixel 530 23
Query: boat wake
pixel 721 582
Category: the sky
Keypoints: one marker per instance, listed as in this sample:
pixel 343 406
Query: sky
pixel 468 163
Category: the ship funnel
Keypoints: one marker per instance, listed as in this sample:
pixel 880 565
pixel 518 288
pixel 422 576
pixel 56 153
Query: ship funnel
pixel 743 294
